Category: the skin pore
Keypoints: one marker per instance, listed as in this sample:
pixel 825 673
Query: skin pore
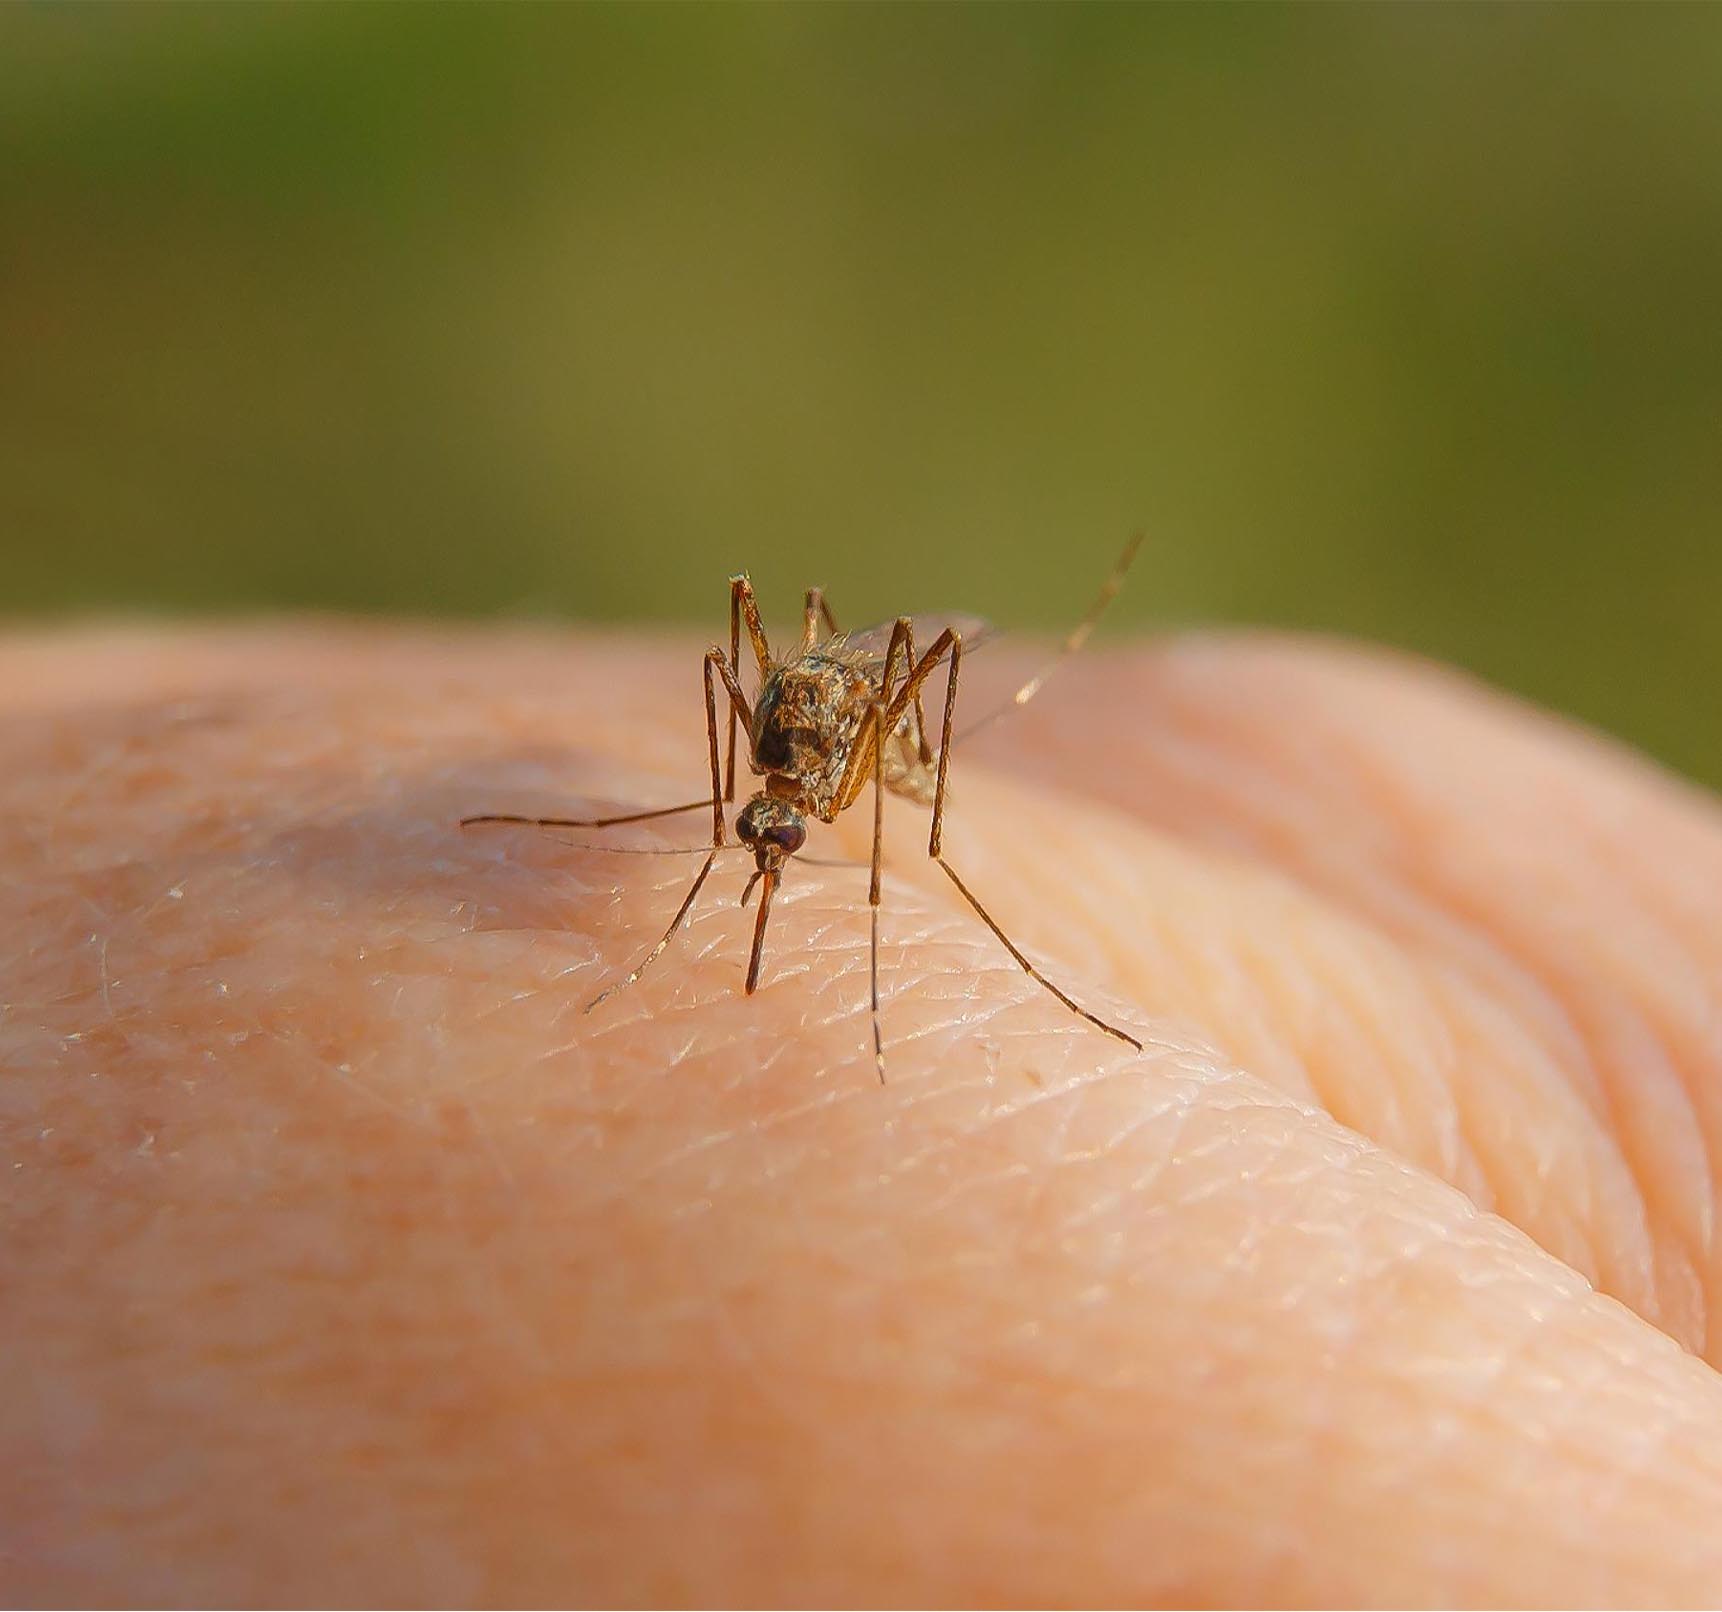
pixel 347 1259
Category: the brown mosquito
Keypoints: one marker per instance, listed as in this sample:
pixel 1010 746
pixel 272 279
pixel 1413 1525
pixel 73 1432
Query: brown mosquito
pixel 830 717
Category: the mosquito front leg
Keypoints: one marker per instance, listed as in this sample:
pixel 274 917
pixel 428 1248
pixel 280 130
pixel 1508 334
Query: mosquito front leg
pixel 739 711
pixel 712 739
pixel 876 716
pixel 715 662
pixel 863 757
pixel 742 606
pixel 744 609
pixel 669 934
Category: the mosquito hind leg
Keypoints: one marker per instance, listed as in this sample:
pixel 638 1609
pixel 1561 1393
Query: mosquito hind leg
pixel 739 711
pixel 1028 968
pixel 935 840
pixel 903 633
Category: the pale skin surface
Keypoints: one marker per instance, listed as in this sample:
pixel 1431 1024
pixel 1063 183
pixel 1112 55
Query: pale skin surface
pixel 346 1259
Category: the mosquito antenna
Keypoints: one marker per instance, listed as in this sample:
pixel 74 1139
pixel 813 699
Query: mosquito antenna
pixel 669 934
pixel 1078 637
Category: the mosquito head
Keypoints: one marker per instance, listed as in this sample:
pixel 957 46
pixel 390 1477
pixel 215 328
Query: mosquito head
pixel 772 829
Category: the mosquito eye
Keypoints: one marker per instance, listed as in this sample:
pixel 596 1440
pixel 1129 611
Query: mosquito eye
pixel 787 837
pixel 744 829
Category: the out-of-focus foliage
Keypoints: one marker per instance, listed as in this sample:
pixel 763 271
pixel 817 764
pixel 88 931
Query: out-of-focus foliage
pixel 1394 321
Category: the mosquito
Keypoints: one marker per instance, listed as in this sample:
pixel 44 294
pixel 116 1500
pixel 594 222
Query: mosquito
pixel 839 711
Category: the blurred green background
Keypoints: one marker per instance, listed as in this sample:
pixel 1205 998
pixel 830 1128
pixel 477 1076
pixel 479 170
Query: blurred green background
pixel 1401 322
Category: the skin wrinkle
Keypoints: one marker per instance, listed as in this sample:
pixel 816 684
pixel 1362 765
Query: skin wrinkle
pixel 1558 1202
pixel 1242 944
pixel 1260 715
pixel 1171 1350
pixel 1262 794
pixel 1378 1015
pixel 1263 790
pixel 1615 1121
pixel 1401 804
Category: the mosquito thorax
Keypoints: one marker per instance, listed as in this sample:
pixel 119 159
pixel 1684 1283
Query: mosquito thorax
pixel 807 714
pixel 773 829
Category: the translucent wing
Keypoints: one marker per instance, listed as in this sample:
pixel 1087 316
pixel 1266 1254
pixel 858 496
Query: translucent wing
pixel 869 645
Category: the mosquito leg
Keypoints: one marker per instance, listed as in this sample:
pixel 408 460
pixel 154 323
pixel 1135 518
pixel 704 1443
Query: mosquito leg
pixel 743 603
pixel 902 637
pixel 923 669
pixel 742 606
pixel 735 665
pixel 867 752
pixel 739 710
pixel 712 741
pixel 738 707
pixel 873 890
pixel 863 756
pixel 587 822
pixel 948 643
pixel 936 834
pixel 1078 637
pixel 926 750
pixel 669 934
pixel 1028 967
pixel 815 611
pixel 903 632
pixel 935 838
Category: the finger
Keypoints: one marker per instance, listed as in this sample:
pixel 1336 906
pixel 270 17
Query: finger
pixel 1038 1322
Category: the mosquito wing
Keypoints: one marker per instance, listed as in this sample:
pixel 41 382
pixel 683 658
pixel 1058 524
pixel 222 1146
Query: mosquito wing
pixel 870 644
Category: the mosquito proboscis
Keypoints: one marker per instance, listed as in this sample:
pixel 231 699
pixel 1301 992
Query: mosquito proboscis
pixel 830 717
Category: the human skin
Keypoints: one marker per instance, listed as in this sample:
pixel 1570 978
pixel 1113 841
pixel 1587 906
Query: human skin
pixel 347 1259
